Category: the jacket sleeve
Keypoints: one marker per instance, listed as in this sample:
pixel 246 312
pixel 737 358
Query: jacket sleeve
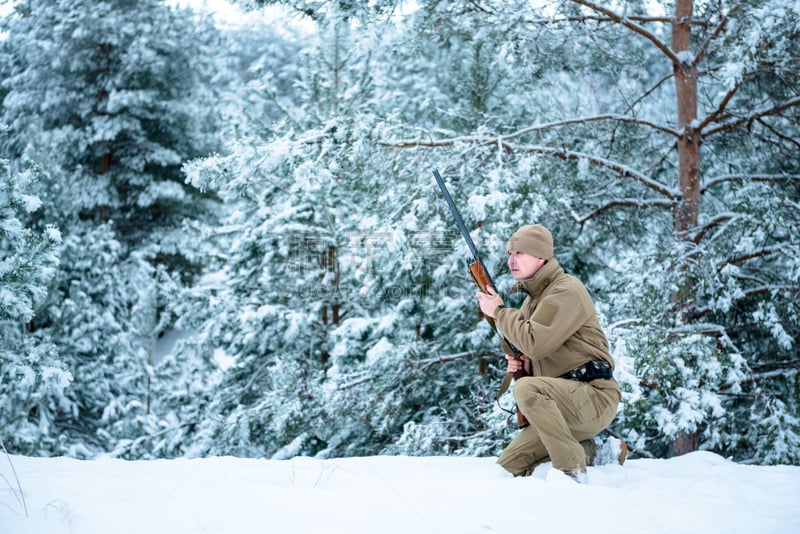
pixel 557 316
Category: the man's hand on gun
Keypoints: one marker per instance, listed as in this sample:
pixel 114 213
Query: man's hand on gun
pixel 515 365
pixel 489 301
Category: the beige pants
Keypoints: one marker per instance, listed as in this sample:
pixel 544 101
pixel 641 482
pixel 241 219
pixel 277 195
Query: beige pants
pixel 561 414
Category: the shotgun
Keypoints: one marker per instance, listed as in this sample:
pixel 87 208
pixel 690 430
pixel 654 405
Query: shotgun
pixel 482 279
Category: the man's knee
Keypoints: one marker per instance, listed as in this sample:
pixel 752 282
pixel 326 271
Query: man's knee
pixel 532 389
pixel 524 386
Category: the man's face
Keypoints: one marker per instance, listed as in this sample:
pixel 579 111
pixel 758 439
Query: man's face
pixel 523 266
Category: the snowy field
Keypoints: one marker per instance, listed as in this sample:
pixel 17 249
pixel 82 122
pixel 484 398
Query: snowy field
pixel 699 492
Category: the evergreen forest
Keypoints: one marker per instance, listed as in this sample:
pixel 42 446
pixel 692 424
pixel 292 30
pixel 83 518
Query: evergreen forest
pixel 224 237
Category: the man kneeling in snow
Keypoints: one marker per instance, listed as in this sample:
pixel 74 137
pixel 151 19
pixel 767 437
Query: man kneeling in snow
pixel 571 395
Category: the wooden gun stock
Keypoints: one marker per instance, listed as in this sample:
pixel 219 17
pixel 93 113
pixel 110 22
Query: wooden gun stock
pixel 479 274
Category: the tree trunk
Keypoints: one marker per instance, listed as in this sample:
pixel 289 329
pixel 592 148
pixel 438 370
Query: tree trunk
pixel 331 315
pixel 685 216
pixel 103 72
pixel 685 71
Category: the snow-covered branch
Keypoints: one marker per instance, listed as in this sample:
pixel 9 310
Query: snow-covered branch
pixel 714 222
pixel 714 35
pixel 622 324
pixel 362 377
pixel 504 139
pixel 582 120
pixel 626 202
pixel 748 177
pixel 752 292
pixel 774 110
pixel 708 329
pixel 780 135
pixel 435 143
pixel 620 168
pixel 634 18
pixel 430 362
pixel 720 108
pixel 356 379
pixel 755 254
pixel 769 375
pixel 636 28
pixel 650 91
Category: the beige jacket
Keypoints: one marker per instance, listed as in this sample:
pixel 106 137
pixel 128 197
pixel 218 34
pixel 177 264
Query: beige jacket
pixel 557 325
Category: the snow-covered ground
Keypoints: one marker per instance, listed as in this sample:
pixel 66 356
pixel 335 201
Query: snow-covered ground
pixel 699 492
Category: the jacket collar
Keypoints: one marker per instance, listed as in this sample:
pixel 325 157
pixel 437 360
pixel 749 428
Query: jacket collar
pixel 535 285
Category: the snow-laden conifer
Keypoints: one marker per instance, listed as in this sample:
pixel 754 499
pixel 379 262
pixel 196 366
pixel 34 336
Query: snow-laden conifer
pixel 108 99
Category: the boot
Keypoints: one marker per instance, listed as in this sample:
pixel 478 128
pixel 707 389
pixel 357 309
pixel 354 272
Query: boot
pixel 578 474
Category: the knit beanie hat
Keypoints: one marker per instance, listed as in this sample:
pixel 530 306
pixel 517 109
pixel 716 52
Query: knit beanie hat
pixel 533 239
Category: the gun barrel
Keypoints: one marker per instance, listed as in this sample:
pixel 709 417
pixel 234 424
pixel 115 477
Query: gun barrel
pixel 459 221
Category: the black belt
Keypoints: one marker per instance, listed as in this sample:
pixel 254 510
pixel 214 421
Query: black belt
pixel 590 371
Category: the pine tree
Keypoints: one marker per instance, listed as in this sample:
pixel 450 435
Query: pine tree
pixel 284 287
pixel 33 378
pixel 108 99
